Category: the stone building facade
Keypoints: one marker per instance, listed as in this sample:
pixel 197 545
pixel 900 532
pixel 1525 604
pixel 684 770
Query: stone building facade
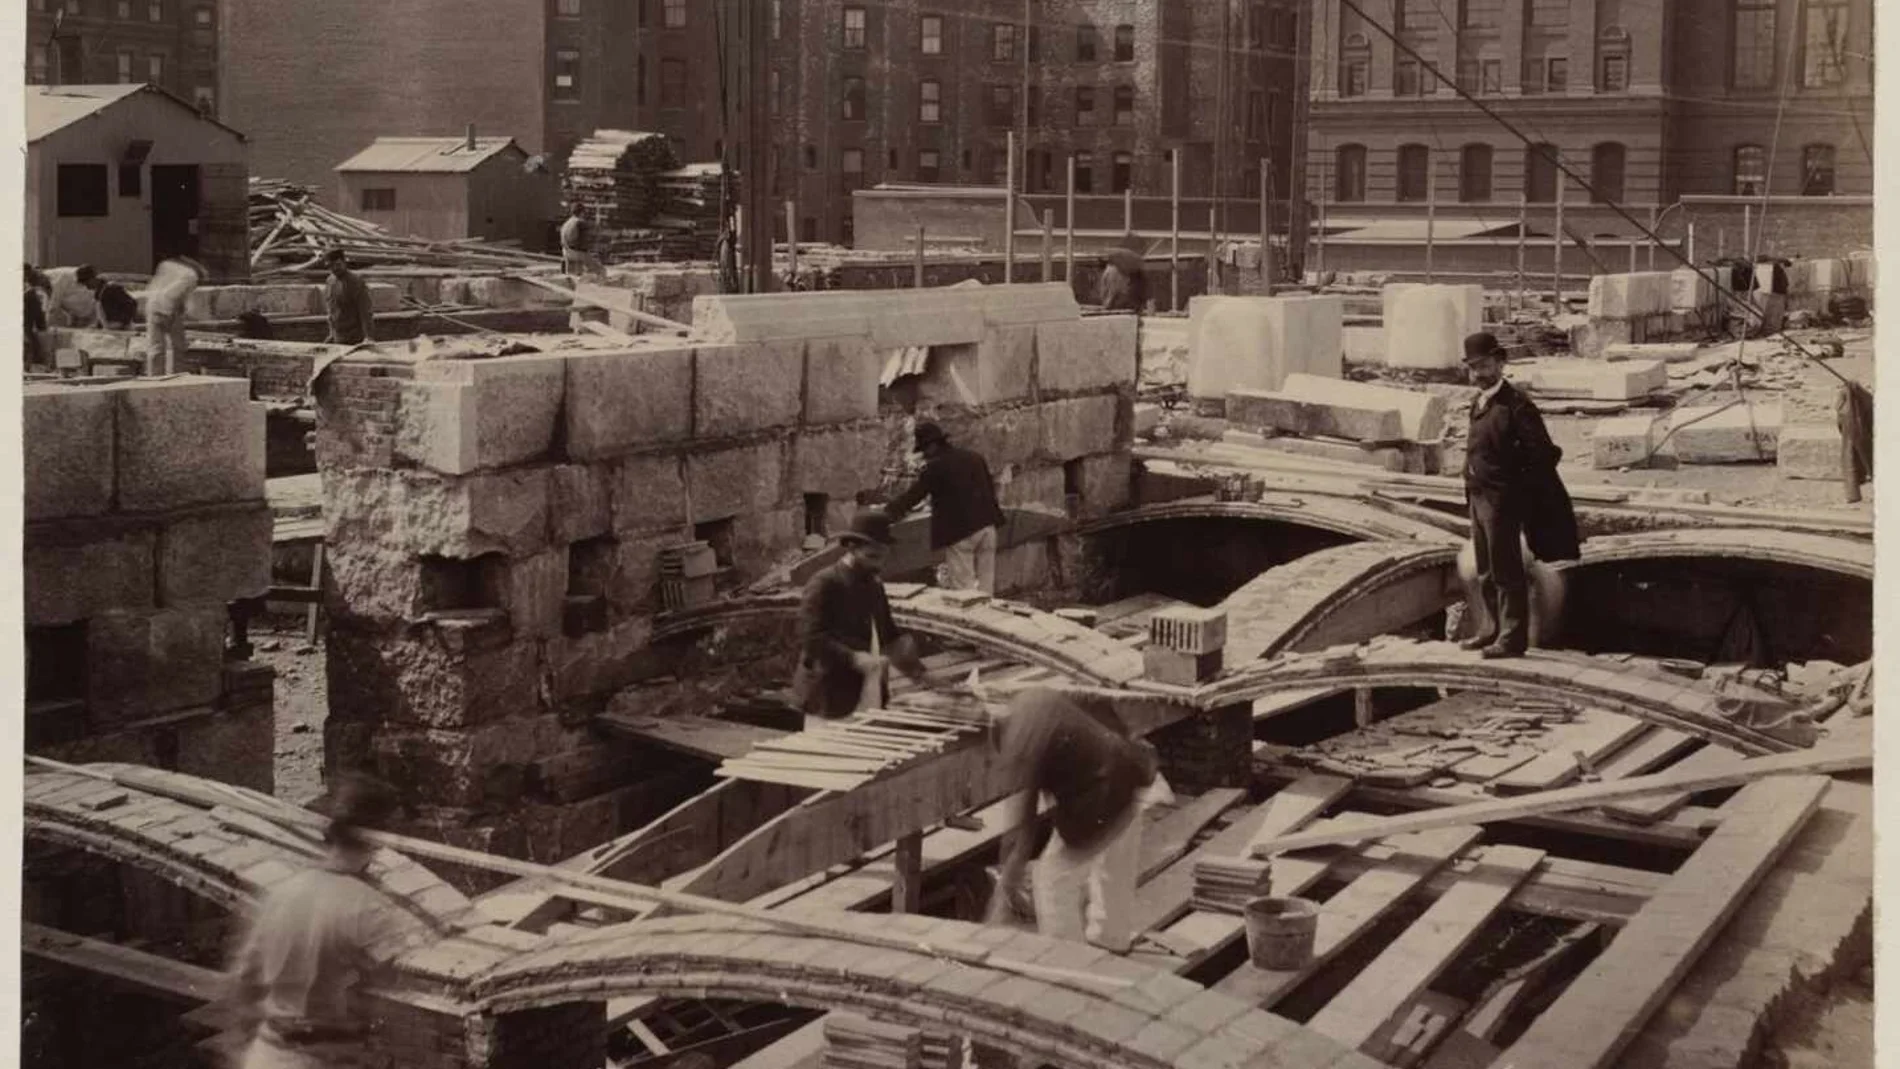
pixel 168 43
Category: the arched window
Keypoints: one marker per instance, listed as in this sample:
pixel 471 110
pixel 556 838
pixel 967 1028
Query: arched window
pixel 1124 43
pixel 1355 65
pixel 1606 172
pixel 1540 173
pixel 1349 173
pixel 1751 171
pixel 1474 173
pixel 1613 60
pixel 1124 174
pixel 1817 171
pixel 1415 167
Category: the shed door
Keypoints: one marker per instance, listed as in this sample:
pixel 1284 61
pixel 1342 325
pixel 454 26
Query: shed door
pixel 174 211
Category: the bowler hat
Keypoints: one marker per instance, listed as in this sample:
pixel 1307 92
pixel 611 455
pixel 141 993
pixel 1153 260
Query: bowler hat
pixel 1482 345
pixel 869 525
pixel 929 433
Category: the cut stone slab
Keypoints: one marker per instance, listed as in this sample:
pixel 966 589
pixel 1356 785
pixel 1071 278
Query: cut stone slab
pixel 215 558
pixel 67 432
pixel 1254 343
pixel 1690 290
pixel 1391 458
pixel 1426 325
pixel 1147 418
pixel 1625 441
pixel 928 317
pixel 1078 427
pixel 1667 352
pixel 1740 434
pixel 460 416
pixel 191 440
pixel 1810 451
pixel 739 389
pixel 1421 414
pixel 1097 352
pixel 996 369
pixel 841 380
pixel 747 317
pixel 838 462
pixel 619 400
pixel 1308 419
pixel 72 579
pixel 728 482
pixel 1624 381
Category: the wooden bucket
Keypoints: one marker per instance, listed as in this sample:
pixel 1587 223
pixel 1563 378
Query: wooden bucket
pixel 1280 932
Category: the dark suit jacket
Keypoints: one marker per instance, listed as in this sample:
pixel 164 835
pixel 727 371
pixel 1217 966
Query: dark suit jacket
pixel 1509 455
pixel 962 496
pixel 841 606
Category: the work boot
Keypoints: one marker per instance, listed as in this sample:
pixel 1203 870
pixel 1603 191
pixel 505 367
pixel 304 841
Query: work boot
pixel 1498 650
pixel 1478 642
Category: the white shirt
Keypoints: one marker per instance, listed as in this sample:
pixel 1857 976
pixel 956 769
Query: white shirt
pixel 73 304
pixel 171 284
pixel 312 938
pixel 1485 395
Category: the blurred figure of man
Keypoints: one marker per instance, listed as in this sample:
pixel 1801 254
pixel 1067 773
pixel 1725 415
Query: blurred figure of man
pixel 312 940
pixel 1098 779
pixel 116 309
pixel 1124 285
pixel 346 299
pixel 167 298
pixel 74 304
pixel 964 514
pixel 39 293
pixel 577 241
pixel 847 636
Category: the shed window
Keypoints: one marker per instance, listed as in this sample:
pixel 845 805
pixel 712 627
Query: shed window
pixel 82 189
pixel 379 200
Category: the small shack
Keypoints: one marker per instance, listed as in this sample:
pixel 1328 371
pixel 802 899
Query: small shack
pixel 123 176
pixel 448 188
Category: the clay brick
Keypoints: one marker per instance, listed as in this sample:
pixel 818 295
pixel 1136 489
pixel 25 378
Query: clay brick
pixel 1097 352
pixel 67 580
pixel 215 558
pixel 578 502
pixel 995 370
pixel 66 433
pixel 187 441
pixel 460 416
pixel 620 400
pixel 740 389
pixel 1078 427
pixel 841 380
pixel 647 492
pixel 728 482
pixel 840 463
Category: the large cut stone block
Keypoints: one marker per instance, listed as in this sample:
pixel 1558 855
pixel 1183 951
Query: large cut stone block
pixel 1097 352
pixel 1012 436
pixel 839 463
pixel 447 516
pixel 1746 432
pixel 1626 380
pixel 1388 457
pixel 841 380
pixel 1311 419
pixel 740 389
pixel 1810 451
pixel 632 582
pixel 376 584
pixel 726 482
pixel 946 316
pixel 620 400
pixel 1107 483
pixel 1690 290
pixel 597 663
pixel 236 747
pixel 533 591
pixel 1667 352
pixel 1254 343
pixel 1023 567
pixel 188 441
pixel 1024 303
pixel 66 433
pixel 142 664
pixel 1624 441
pixel 750 317
pixel 1426 326
pixel 71 576
pixel 1421 414
pixel 1164 349
pixel 416 679
pixel 460 416
pixel 648 492
pixel 761 539
pixel 579 502
pixel 993 371
pixel 1045 488
pixel 1079 427
pixel 215 558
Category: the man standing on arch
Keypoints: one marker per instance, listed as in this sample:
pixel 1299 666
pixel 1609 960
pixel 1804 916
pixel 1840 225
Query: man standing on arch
pixel 1512 490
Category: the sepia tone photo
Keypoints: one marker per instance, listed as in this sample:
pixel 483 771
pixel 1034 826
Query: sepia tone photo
pixel 947 534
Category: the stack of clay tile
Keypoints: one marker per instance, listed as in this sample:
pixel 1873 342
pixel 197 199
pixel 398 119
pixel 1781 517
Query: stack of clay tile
pixel 853 1042
pixel 1226 884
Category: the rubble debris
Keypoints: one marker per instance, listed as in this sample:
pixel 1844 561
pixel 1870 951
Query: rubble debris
pixel 291 233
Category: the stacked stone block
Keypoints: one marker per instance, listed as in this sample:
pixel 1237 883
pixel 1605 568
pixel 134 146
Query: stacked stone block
pixel 145 520
pixel 1426 325
pixel 495 525
pixel 1630 309
pixel 1254 343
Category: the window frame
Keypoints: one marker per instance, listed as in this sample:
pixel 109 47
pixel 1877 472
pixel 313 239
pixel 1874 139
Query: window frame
pixel 1409 187
pixel 571 58
pixel 1353 191
pixel 1124 50
pixel 1752 182
pixel 1003 43
pixel 1084 93
pixel 1469 191
pixel 672 14
pixel 94 200
pixel 930 101
pixel 384 196
pixel 925 36
pixel 1123 94
pixel 1759 72
pixel 1086 33
pixel 854 104
pixel 855 28
pixel 1607 187
pixel 934 170
pixel 1809 153
pixel 668 63
pixel 1084 171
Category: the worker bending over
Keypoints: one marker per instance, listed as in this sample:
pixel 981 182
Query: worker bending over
pixel 847 637
pixel 166 301
pixel 964 514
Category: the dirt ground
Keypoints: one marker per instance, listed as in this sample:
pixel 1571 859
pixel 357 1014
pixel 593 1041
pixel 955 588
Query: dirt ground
pixel 302 705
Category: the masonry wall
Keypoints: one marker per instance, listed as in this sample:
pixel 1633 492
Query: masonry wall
pixel 495 526
pixel 145 520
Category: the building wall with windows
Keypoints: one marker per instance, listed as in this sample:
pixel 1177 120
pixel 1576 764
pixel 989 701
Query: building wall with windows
pixel 168 43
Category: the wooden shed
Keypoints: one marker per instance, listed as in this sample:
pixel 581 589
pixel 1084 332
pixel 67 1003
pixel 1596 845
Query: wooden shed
pixel 445 188
pixel 123 176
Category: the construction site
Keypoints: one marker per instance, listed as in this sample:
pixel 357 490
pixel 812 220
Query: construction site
pixel 539 552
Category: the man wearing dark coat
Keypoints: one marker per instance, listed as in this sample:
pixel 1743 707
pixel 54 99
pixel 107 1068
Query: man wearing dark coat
pixel 964 514
pixel 1512 490
pixel 848 639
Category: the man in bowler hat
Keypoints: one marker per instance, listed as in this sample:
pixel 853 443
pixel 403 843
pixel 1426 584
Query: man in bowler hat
pixel 847 636
pixel 1513 491
pixel 964 514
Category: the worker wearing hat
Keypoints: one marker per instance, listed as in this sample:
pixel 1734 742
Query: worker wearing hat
pixel 346 300
pixel 1513 491
pixel 964 514
pixel 847 637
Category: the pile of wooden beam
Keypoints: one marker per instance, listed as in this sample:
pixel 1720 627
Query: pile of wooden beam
pixel 853 1042
pixel 1358 423
pixel 291 233
pixel 1227 884
pixel 842 754
pixel 644 205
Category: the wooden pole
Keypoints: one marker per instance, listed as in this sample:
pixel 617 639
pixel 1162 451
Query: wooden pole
pixel 1691 232
pixel 1431 210
pixel 1048 247
pixel 907 875
pixel 1319 240
pixel 918 270
pixel 1069 216
pixel 1174 240
pixel 756 177
pixel 1748 227
pixel 1009 210
pixel 1557 248
pixel 791 236
pixel 1128 209
pixel 1653 218
pixel 1523 237
pixel 1267 273
pixel 1652 256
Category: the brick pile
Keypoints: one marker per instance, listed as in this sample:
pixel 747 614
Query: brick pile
pixel 145 520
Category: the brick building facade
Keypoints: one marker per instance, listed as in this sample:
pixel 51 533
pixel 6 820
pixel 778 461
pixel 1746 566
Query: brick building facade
pixel 169 43
pixel 1650 101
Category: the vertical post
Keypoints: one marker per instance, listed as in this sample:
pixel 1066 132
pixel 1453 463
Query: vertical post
pixel 756 179
pixel 1654 217
pixel 1009 210
pixel 1128 209
pixel 1691 248
pixel 1048 246
pixel 1748 227
pixel 1652 256
pixel 1721 242
pixel 1431 210
pixel 1557 246
pixel 1319 250
pixel 1213 252
pixel 1174 240
pixel 907 883
pixel 918 270
pixel 1069 216
pixel 1267 273
pixel 791 237
pixel 1523 236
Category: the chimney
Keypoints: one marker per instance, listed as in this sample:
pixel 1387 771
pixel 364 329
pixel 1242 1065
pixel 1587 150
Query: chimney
pixel 471 137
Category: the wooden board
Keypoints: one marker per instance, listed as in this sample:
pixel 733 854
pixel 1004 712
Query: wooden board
pixel 1298 804
pixel 1605 1007
pixel 1561 887
pixel 1599 734
pixel 1406 967
pixel 1655 807
pixel 1648 754
pixel 1404 1039
pixel 700 736
pixel 1164 840
pixel 1583 822
pixel 176 981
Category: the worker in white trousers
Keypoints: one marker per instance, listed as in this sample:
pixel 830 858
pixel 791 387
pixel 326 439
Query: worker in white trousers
pixel 166 301
pixel 964 514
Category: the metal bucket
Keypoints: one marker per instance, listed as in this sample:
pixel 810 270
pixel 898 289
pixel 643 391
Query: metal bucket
pixel 1280 932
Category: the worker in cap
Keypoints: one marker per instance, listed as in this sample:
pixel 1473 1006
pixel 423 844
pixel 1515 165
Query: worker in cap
pixel 74 303
pixel 167 299
pixel 1513 492
pixel 848 639
pixel 964 514
pixel 346 299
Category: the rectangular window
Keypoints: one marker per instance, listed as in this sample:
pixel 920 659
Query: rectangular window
pixel 1754 59
pixel 640 81
pixel 1616 73
pixel 1491 75
pixel 156 10
pixel 773 90
pixel 930 101
pixel 932 34
pixel 125 67
pixel 1002 43
pixel 929 167
pixel 567 8
pixel 1002 105
pixel 854 99
pixel 379 200
pixel 851 163
pixel 155 69
pixel 854 27
pixel 1124 43
pixel 1550 13
pixel 1405 81
pixel 673 14
pixel 1479 14
pixel 1468 76
pixel 1823 42
pixel 1124 105
pixel 1087 42
pixel 125 9
pixel 1085 172
pixel 1352 82
pixel 672 83
pixel 1557 74
pixel 1035 105
pixel 778 19
pixel 202 16
pixel 131 180
pixel 567 74
pixel 1084 105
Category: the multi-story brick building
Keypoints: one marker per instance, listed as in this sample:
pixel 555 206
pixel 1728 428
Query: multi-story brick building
pixel 168 43
pixel 1651 101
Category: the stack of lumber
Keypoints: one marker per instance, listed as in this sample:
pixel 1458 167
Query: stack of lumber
pixel 1386 427
pixel 853 1042
pixel 689 210
pixel 843 754
pixel 291 233
pixel 1227 884
pixel 643 204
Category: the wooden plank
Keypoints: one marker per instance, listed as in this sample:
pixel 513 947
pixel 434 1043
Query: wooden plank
pixel 1565 799
pixel 803 1049
pixel 1587 822
pixel 1290 701
pixel 701 736
pixel 1648 754
pixel 1355 909
pixel 1297 804
pixel 1407 1037
pixel 1601 734
pixel 176 981
pixel 1560 887
pixel 1402 972
pixel 907 883
pixel 1164 840
pixel 1655 807
pixel 1512 993
pixel 1603 1009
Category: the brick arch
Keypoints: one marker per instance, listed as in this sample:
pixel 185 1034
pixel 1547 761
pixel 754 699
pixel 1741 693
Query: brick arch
pixel 1335 515
pixel 1157 1021
pixel 1344 594
pixel 1017 632
pixel 1846 557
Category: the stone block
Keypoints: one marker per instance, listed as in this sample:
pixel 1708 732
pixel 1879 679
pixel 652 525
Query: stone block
pixel 579 502
pixel 727 482
pixel 72 576
pixel 496 291
pixel 1690 290
pixel 1098 352
pixel 841 380
pixel 460 416
pixel 1810 451
pixel 384 297
pixel 995 370
pixel 187 441
pixel 423 513
pixel 1147 419
pixel 417 680
pixel 1163 350
pixel 213 559
pixel 1023 567
pixel 838 463
pixel 1667 352
pixel 1013 436
pixel 1024 303
pixel 533 590
pixel 1042 488
pixel 745 388
pixel 66 433
pixel 1388 457
pixel 1624 441
pixel 1254 343
pixel 1179 668
pixel 143 664
pixel 1627 380
pixel 236 747
pixel 1426 326
pixel 1363 345
pixel 632 584
pixel 940 316
pixel 1421 414
pixel 1287 415
pixel 1079 427
pixel 647 492
pixel 754 317
pixel 1747 432
pixel 761 539
pixel 1107 483
pixel 598 663
pixel 371 583
pixel 620 400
